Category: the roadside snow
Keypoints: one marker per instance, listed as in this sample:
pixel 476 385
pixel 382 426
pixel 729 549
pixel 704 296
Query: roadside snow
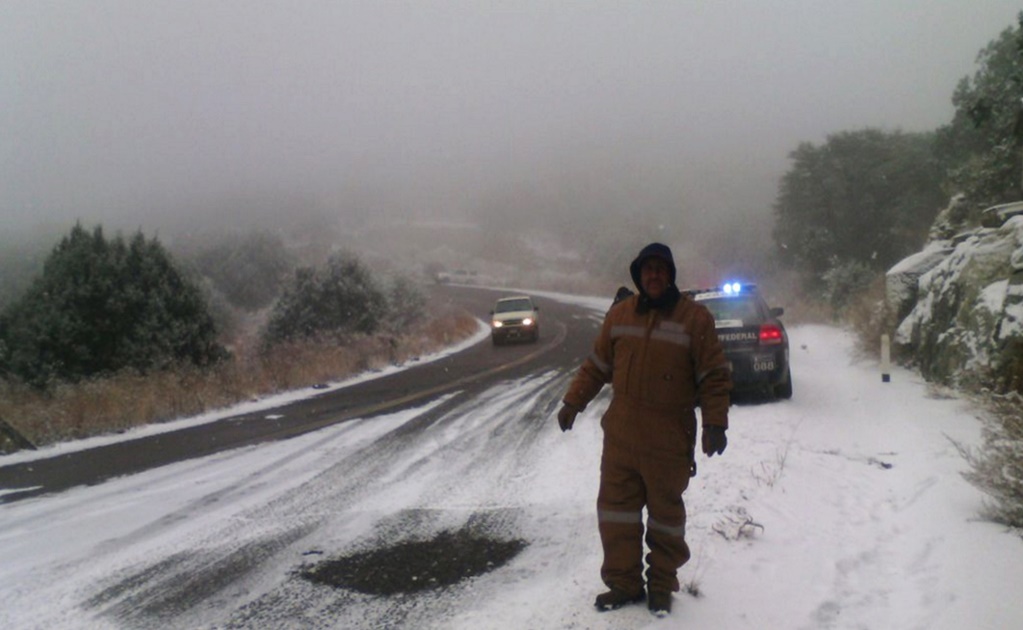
pixel 842 508
pixel 866 520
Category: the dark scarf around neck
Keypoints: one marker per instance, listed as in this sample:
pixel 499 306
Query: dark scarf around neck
pixel 665 303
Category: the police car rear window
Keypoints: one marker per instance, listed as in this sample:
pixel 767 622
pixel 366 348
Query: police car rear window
pixel 731 308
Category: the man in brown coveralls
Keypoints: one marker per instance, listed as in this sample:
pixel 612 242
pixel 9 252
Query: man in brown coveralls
pixel 660 352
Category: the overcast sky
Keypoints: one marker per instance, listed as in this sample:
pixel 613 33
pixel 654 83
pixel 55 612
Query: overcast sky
pixel 139 108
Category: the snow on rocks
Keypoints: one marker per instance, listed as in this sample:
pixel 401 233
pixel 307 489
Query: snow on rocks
pixel 960 306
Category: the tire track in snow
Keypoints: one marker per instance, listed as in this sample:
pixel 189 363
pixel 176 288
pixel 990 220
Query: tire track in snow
pixel 350 504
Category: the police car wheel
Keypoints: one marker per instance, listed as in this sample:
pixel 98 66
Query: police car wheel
pixel 784 390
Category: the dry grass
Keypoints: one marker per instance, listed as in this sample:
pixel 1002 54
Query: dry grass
pixel 127 400
pixel 869 319
pixel 997 465
pixel 785 289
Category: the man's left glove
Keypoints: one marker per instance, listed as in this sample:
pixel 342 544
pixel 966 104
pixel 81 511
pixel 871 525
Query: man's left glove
pixel 566 416
pixel 714 440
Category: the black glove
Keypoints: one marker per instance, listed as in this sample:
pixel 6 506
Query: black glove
pixel 566 416
pixel 714 440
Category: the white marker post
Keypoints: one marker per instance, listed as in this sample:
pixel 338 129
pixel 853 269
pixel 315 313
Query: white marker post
pixel 886 359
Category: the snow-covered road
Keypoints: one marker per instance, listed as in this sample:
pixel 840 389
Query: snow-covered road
pixel 842 508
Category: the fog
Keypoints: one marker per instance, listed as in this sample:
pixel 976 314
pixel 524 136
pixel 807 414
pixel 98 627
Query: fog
pixel 163 114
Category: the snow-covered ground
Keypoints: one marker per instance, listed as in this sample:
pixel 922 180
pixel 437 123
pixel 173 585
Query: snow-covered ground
pixel 842 508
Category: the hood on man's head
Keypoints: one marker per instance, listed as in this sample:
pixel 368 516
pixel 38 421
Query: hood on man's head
pixel 653 250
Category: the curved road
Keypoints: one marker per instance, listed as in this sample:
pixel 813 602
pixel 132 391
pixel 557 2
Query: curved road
pixel 566 334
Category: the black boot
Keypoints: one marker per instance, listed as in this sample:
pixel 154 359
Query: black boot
pixel 660 603
pixel 616 598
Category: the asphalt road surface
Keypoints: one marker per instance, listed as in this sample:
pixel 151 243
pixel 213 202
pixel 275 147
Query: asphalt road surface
pixel 566 335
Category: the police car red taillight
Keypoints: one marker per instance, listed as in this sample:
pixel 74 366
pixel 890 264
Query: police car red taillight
pixel 770 334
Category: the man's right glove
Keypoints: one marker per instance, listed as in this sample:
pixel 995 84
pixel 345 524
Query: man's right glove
pixel 566 416
pixel 714 440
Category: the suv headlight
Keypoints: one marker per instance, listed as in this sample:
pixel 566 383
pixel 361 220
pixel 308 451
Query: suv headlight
pixel 527 321
pixel 497 323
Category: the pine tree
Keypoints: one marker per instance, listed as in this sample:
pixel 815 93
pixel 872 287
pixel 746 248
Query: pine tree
pixel 982 145
pixel 105 305
pixel 864 198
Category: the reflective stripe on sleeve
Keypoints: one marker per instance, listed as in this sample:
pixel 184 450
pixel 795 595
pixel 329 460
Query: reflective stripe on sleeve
pixel 600 365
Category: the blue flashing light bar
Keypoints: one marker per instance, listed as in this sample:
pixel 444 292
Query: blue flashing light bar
pixel 732 288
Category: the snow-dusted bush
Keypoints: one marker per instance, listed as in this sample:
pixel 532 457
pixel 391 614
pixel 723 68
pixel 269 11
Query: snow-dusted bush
pixel 844 280
pixel 340 299
pixel 406 303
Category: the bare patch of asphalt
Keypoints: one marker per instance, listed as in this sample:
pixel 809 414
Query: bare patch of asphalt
pixel 386 583
pixel 414 566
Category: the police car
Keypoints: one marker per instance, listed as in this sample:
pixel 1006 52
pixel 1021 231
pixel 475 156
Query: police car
pixel 753 338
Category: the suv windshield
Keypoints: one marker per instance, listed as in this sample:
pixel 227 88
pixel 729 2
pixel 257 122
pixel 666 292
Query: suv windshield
pixel 509 306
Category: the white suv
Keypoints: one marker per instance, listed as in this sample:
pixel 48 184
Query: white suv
pixel 515 317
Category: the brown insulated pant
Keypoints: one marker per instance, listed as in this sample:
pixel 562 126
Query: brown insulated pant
pixel 630 480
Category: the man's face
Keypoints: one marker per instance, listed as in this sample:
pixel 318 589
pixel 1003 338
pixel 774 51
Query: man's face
pixel 655 277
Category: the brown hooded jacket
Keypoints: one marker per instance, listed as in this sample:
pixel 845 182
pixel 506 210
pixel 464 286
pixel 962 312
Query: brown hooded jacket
pixel 662 362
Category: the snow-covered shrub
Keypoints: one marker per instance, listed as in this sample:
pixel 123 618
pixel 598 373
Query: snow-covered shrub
pixel 340 299
pixel 845 279
pixel 406 303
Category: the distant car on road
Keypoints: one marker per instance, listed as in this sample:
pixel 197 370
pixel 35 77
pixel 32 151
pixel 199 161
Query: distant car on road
pixel 754 339
pixel 515 317
pixel 458 276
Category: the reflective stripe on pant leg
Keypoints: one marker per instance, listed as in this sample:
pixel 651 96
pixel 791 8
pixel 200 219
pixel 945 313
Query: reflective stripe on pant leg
pixel 668 530
pixel 620 521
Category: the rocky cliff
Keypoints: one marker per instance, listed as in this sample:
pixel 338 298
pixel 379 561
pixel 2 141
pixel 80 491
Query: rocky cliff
pixel 957 305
